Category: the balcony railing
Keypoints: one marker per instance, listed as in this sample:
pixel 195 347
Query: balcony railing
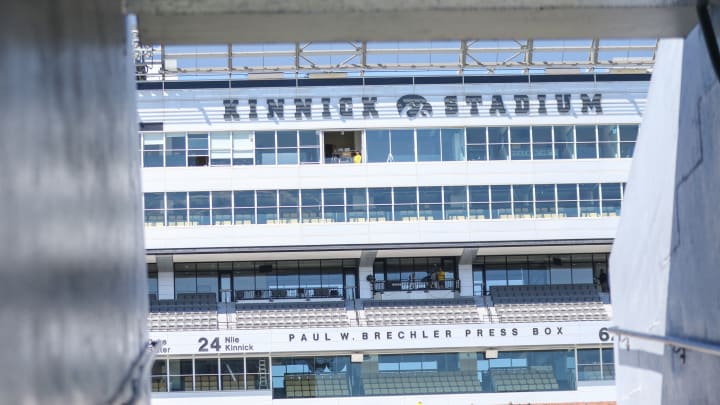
pixel 413 285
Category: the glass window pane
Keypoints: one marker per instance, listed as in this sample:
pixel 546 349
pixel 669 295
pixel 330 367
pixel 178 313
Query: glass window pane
pixel 585 133
pixel 266 198
pixel 405 195
pixel 453 144
pixel 244 198
pixel 567 192
pixel 402 142
pixel 311 197
pixel 520 134
pixel 500 193
pixel 476 135
pixel 289 198
pixel 542 134
pixel 380 195
pixel 430 194
pixel 428 145
pixel 175 158
pixel 154 201
pixel 335 196
pixel 522 192
pixel 378 146
pixel 221 199
pixel 287 156
pixel 611 191
pixel 545 192
pixel 265 156
pixel 586 151
pixel 498 135
pixel 477 152
pixel 628 132
pixel 564 134
pixel 265 139
pixel 479 193
pixel 310 155
pixel 242 153
pixel 174 141
pixel 287 139
pixel 589 191
pixel 356 196
pixel 199 199
pixel 309 138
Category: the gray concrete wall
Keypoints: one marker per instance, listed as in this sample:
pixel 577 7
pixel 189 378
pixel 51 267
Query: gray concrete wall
pixel 665 258
pixel 72 275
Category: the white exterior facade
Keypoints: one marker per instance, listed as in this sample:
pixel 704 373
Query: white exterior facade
pixel 337 108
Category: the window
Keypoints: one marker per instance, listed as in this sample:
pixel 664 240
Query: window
pixel 378 146
pixel 158 378
pixel 430 203
pixel 520 143
pixel 501 203
pixel 405 207
pixel 560 269
pixel 564 144
pixel 264 147
pixel 232 373
pixel 476 144
pixel 289 206
pixel 479 202
pixel 154 209
pixel 356 204
pixel 220 146
pixel 242 148
pixel 628 136
pixel 181 374
pixel 498 143
pixel 402 145
pixel 152 150
pixel 309 147
pixel 380 204
pixel 197 149
pixel 199 207
pixel 453 144
pixel 428 145
pixel 455 199
pixel 334 205
pixel 311 206
pixel 542 148
pixel 287 151
pixel 244 207
pixel 608 141
pixel 611 199
pixel 175 150
pixel 523 201
pixel 222 208
pixel 567 200
pixel 267 206
pixel 586 143
pixel 589 200
pixel 545 201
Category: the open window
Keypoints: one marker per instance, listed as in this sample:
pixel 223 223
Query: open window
pixel 342 146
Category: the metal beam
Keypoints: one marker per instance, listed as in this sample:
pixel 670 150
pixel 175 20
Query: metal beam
pixel 249 21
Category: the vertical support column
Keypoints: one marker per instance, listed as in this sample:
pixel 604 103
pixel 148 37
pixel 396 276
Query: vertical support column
pixel 73 296
pixel 367 259
pixel 166 278
pixel 465 273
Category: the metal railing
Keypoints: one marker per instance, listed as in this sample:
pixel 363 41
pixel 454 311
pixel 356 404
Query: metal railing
pixel 413 285
pixel 678 344
pixel 289 293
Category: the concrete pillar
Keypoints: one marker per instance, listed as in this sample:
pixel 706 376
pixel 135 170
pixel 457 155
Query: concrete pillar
pixel 166 278
pixel 465 273
pixel 664 277
pixel 73 295
pixel 367 259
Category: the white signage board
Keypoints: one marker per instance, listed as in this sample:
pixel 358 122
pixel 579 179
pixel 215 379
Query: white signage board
pixel 408 337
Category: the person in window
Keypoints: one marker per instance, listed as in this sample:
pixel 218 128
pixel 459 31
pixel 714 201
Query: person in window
pixel 441 278
pixel 411 281
pixel 603 281
pixel 434 279
pixel 357 158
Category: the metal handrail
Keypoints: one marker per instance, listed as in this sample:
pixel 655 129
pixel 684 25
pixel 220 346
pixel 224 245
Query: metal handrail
pixel 689 344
